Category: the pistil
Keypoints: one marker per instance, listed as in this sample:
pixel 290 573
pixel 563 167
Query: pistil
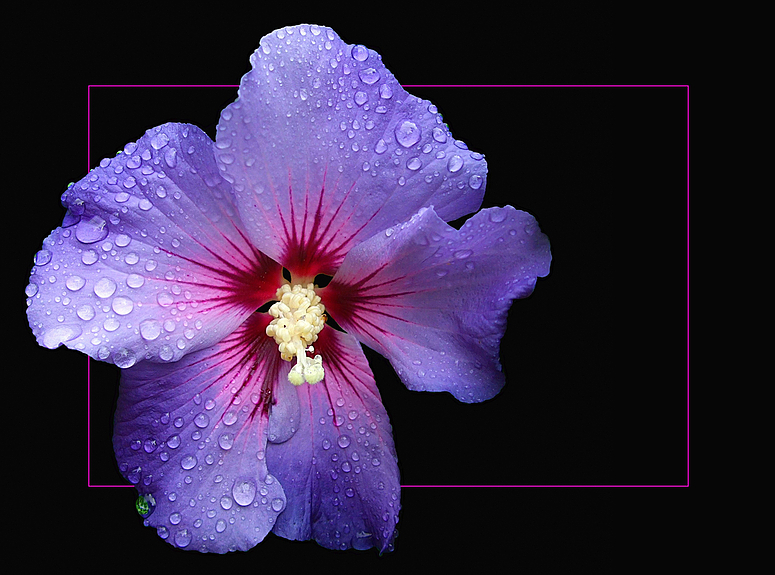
pixel 299 317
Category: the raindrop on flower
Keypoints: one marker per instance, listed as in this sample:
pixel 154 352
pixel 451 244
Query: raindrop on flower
pixel 92 230
pixel 454 163
pixel 369 76
pixel 244 491
pixel 42 257
pixel 407 134
pixel 74 283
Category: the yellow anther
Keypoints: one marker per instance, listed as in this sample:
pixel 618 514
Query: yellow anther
pixel 298 320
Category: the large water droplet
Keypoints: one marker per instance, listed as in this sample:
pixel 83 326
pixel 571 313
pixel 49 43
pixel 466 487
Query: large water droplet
pixel 104 287
pixel 369 76
pixel 226 440
pixel 165 299
pixel 159 140
pixel 124 358
pixel 74 283
pixel 60 334
pixel 42 257
pixel 343 441
pixel 122 305
pixel 361 98
pixel 439 135
pixel 188 462
pixel 85 312
pixel 414 164
pixel 277 504
pixel 497 216
pixel 170 157
pixel 91 230
pixel 475 182
pixel 183 538
pixel 135 281
pixel 244 491
pixel 407 134
pixel 360 53
pixel 150 329
pixel 454 163
pixel 89 257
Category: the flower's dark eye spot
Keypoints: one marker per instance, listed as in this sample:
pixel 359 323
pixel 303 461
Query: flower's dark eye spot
pixel 265 308
pixel 331 322
pixel 286 275
pixel 322 280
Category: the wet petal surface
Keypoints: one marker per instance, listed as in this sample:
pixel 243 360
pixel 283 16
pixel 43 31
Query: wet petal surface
pixel 325 148
pixel 339 469
pixel 191 436
pixel 150 262
pixel 434 300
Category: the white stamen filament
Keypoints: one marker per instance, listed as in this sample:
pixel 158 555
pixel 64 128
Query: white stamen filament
pixel 298 320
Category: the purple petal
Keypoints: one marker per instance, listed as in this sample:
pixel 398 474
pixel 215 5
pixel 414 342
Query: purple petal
pixel 325 148
pixel 434 300
pixel 192 437
pixel 339 469
pixel 150 262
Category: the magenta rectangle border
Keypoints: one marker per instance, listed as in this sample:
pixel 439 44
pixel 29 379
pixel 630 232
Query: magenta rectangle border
pixel 88 159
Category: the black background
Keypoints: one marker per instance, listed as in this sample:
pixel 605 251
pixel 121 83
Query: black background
pixel 596 358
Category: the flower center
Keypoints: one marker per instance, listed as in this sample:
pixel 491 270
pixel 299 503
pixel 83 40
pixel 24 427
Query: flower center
pixel 298 320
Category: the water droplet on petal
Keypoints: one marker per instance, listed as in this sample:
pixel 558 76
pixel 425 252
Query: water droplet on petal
pixel 343 441
pixel 85 312
pixel 414 164
pixel 369 76
pixel 454 163
pixel 170 157
pixel 361 98
pixel 122 305
pixel 475 182
pixel 385 92
pixel 244 491
pixel 183 538
pixel 104 287
pixel 462 254
pixel 91 230
pixel 360 53
pixel 135 281
pixel 150 329
pixel 226 440
pixel 74 283
pixel 407 134
pixel 159 140
pixel 439 135
pixel 89 257
pixel 124 358
pixel 42 257
pixel 497 216
pixel 60 334
pixel 188 462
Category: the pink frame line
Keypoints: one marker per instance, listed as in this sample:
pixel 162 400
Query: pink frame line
pixel 88 167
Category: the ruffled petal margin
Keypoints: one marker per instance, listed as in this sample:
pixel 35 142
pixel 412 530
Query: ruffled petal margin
pixel 434 300
pixel 325 148
pixel 339 469
pixel 150 261
pixel 191 436
pixel 224 449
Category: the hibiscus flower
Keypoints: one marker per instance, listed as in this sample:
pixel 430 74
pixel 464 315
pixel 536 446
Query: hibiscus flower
pixel 234 281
